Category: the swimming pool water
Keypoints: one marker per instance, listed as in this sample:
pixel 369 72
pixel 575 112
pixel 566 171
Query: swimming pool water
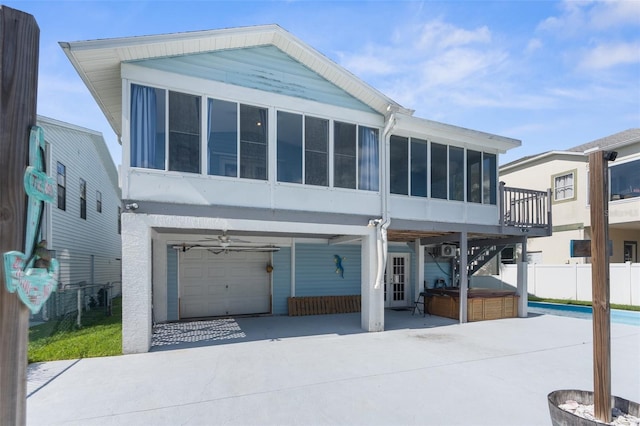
pixel 576 311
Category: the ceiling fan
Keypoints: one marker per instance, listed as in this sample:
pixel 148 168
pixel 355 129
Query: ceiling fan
pixel 224 239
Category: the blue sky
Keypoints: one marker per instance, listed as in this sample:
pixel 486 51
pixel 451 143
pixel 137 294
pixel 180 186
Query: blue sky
pixel 554 74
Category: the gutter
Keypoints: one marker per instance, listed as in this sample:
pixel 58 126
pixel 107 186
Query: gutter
pixel 383 223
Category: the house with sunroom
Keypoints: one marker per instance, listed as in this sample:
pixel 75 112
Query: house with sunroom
pixel 256 171
pixel 567 173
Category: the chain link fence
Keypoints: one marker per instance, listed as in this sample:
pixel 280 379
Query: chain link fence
pixel 72 305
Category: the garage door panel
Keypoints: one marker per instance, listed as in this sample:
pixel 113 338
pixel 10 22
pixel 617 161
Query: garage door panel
pixel 227 284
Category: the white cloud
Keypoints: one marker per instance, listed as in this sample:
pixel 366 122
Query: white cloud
pixel 614 13
pixel 533 45
pixel 438 35
pixel 609 55
pixel 576 17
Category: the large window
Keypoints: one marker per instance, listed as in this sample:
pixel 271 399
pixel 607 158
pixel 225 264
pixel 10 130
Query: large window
pixel 253 142
pixel 302 141
pixel 625 180
pixel 356 158
pixel 438 171
pixel 399 169
pixel 456 173
pixel 83 199
pixel 62 186
pixel 563 186
pixel 222 139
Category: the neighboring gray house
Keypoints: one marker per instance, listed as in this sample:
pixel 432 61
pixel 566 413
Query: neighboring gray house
pixel 256 170
pixel 83 227
pixel 567 173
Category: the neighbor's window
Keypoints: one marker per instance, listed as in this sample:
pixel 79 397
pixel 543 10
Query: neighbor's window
pixel 563 186
pixel 147 127
pixel 184 132
pixel 625 180
pixel 119 220
pixel 99 201
pixel 253 142
pixel 62 186
pixel 399 169
pixel 83 199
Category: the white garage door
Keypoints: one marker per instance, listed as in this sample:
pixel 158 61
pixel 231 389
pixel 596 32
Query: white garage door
pixel 231 283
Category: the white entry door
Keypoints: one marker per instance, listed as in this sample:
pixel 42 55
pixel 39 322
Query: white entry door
pixel 231 283
pixel 396 288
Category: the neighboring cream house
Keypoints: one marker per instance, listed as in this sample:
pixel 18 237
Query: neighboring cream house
pixel 255 169
pixel 82 227
pixel 567 174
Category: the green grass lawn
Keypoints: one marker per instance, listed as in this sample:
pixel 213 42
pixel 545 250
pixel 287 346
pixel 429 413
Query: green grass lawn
pixel 100 335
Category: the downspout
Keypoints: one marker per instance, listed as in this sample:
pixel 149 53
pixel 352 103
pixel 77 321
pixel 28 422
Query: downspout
pixel 383 224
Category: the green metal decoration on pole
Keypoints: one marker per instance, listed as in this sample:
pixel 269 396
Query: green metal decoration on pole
pixel 33 274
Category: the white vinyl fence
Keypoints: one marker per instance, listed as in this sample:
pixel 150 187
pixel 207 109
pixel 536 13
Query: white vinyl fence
pixel 568 281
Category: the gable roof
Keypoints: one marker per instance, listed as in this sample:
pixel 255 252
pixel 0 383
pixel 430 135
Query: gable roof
pixel 616 140
pixel 56 129
pixel 98 62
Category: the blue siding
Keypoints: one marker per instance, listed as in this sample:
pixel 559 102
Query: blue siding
pixel 264 68
pixel 281 276
pixel 172 284
pixel 437 268
pixel 316 270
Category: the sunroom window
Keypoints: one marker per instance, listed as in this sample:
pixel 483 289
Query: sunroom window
pixel 418 167
pixel 147 127
pixel 399 160
pixel 253 142
pixel 438 171
pixel 184 132
pixel 289 147
pixel 356 158
pixel 456 173
pixel 316 151
pixel 222 139
pixel 302 140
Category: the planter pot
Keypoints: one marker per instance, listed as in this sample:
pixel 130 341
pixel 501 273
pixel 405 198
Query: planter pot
pixel 560 417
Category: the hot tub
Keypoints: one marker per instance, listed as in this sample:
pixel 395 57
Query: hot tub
pixel 482 304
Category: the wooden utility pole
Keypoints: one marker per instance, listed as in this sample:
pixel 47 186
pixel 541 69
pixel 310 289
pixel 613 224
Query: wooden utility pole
pixel 19 45
pixel 599 199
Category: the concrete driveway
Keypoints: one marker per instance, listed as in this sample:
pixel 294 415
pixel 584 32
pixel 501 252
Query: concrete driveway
pixel 324 370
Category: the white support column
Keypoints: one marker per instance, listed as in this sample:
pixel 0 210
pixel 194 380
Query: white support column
pixel 522 291
pixel 136 284
pixel 372 305
pixel 419 268
pixel 463 276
